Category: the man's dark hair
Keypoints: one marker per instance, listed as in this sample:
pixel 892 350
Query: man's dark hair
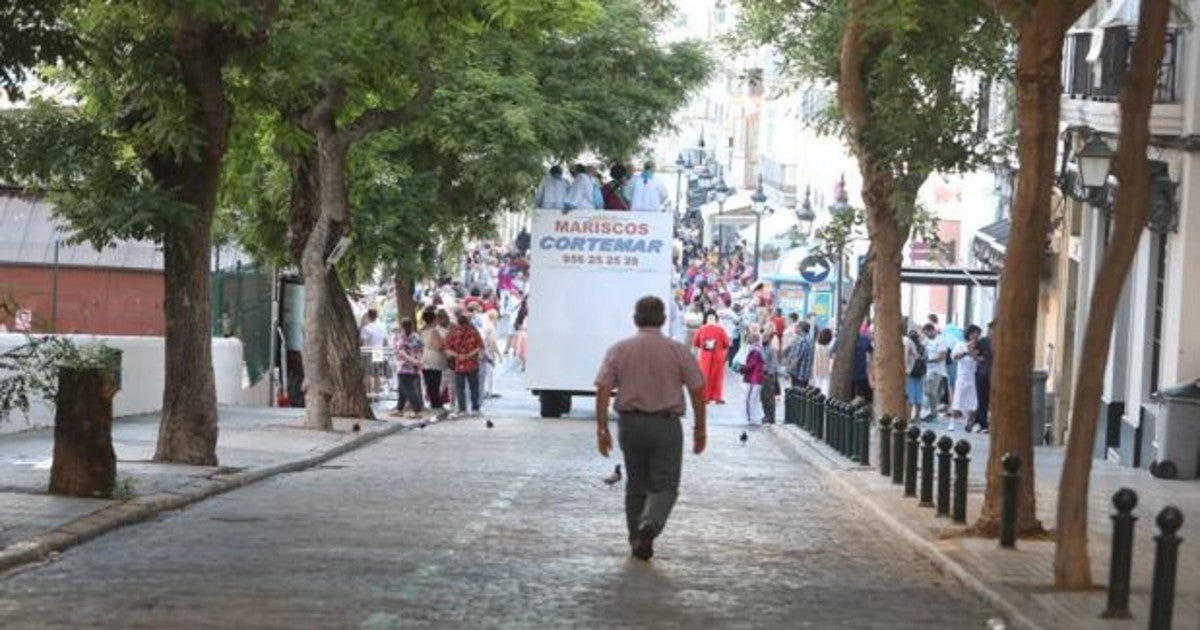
pixel 618 171
pixel 794 316
pixel 649 311
pixel 463 320
pixel 428 316
pixel 804 328
pixel 372 315
pixel 933 318
pixel 406 325
pixel 929 328
pixel 973 329
pixel 556 170
pixel 825 337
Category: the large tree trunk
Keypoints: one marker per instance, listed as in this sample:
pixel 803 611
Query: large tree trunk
pixel 850 318
pixel 1041 29
pixel 188 432
pixel 406 301
pixel 320 312
pixel 85 464
pixel 349 398
pixel 1072 567
pixel 887 240
pixel 345 377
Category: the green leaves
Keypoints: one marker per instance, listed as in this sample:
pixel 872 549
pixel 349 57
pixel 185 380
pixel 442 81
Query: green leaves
pixel 32 33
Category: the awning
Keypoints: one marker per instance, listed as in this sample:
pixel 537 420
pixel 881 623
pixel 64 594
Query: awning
pixel 990 244
pixel 952 277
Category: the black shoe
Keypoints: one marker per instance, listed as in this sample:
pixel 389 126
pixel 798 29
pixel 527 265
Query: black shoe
pixel 643 543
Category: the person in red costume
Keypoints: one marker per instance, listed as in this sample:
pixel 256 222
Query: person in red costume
pixel 712 342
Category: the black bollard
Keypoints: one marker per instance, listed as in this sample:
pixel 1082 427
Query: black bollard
pixel 852 434
pixel 1122 554
pixel 864 436
pixel 809 407
pixel 820 409
pixel 910 461
pixel 885 446
pixel 961 466
pixel 1008 503
pixel 1166 556
pixel 944 445
pixel 843 420
pixel 898 428
pixel 927 439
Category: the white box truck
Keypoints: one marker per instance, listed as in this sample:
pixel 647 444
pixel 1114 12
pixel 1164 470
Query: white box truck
pixel 587 269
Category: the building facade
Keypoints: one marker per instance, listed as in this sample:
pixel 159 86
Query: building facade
pixel 1154 343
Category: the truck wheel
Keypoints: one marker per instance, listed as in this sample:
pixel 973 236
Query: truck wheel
pixel 551 404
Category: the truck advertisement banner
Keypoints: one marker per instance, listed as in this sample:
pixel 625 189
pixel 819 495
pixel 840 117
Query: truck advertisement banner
pixel 587 268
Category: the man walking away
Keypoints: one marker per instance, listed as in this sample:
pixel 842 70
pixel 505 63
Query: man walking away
pixel 649 373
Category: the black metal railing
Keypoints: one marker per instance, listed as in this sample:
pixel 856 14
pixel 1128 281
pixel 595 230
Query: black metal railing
pixel 1103 80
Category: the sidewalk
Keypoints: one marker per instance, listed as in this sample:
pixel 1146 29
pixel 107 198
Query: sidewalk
pixel 1019 583
pixel 254 443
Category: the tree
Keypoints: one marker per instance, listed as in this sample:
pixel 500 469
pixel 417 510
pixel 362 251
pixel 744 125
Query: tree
pixel 341 78
pixel 502 107
pixel 905 114
pixel 1072 566
pixel 1041 26
pixel 32 33
pixel 141 158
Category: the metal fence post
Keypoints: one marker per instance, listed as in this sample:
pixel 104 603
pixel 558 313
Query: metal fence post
pixel 898 428
pixel 927 439
pixel 1008 504
pixel 1122 554
pixel 885 445
pixel 1166 556
pixel 961 466
pixel 944 444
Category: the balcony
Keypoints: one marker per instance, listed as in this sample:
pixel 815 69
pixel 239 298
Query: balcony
pixel 1094 73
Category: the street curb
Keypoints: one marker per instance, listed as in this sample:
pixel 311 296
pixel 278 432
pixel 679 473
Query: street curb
pixel 138 509
pixel 808 451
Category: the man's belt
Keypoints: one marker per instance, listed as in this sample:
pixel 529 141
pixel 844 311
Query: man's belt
pixel 653 414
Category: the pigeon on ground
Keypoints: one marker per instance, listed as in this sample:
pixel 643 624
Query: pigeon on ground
pixel 356 428
pixel 614 477
pixel 744 437
pixel 491 425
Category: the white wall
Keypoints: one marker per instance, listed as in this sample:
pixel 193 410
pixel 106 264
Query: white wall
pixel 142 376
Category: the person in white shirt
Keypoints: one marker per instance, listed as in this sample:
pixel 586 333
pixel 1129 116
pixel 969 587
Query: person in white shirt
pixel 552 192
pixel 936 356
pixel 372 338
pixel 583 194
pixel 645 191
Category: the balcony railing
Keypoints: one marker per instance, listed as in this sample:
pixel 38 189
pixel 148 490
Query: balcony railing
pixel 1103 80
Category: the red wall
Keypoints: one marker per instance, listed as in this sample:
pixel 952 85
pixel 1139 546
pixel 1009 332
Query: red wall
pixel 90 300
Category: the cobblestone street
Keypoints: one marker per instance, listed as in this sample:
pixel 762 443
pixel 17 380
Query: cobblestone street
pixel 456 525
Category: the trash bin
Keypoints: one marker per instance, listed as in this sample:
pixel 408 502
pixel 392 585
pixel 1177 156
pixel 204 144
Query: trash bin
pixel 1177 432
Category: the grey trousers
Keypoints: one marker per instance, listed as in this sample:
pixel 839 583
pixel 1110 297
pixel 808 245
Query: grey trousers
pixel 653 451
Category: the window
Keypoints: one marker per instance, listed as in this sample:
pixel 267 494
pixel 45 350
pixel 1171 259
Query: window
pixel 1160 281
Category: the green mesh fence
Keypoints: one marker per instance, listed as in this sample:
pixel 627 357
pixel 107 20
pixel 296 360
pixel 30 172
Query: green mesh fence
pixel 242 309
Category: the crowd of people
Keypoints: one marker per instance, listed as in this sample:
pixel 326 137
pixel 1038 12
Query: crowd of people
pixel 731 322
pixel 445 354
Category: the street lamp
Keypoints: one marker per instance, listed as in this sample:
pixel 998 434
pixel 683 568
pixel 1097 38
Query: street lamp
pixel 839 208
pixel 805 215
pixel 679 166
pixel 1093 161
pixel 722 193
pixel 759 201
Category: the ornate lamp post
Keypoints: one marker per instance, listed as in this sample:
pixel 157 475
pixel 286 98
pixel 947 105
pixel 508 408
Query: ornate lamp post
pixel 722 193
pixel 680 164
pixel 805 217
pixel 840 206
pixel 759 201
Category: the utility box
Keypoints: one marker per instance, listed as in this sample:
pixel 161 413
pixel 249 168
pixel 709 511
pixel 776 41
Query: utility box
pixel 1177 432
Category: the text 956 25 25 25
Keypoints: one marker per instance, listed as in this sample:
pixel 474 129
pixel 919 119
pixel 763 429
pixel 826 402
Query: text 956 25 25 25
pixel 599 260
